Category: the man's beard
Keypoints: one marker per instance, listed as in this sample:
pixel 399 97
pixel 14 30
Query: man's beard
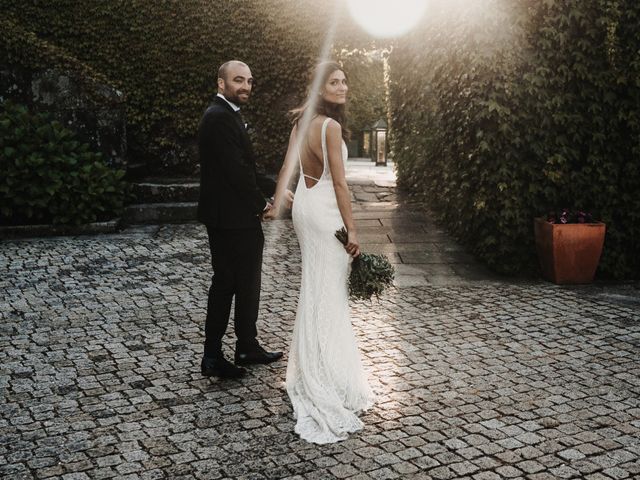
pixel 235 98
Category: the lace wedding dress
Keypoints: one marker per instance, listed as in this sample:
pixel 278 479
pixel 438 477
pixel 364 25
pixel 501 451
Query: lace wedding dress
pixel 325 379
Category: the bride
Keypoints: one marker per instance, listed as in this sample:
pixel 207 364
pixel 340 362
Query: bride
pixel 325 379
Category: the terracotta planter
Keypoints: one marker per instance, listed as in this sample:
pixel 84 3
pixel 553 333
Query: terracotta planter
pixel 569 253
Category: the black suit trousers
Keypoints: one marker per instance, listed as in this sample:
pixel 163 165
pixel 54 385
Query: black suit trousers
pixel 236 256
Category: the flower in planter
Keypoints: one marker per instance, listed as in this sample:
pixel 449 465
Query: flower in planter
pixel 583 217
pixel 565 216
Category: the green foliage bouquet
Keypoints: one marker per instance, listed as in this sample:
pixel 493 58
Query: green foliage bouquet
pixel 370 273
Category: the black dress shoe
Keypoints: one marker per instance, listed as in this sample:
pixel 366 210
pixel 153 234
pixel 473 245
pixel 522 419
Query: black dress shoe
pixel 220 367
pixel 256 355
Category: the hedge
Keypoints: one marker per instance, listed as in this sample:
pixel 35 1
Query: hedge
pixel 22 48
pixel 505 109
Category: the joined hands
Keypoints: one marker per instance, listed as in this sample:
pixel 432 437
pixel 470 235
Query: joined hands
pixel 271 212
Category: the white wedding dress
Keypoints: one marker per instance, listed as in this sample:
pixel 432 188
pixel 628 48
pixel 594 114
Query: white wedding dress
pixel 325 378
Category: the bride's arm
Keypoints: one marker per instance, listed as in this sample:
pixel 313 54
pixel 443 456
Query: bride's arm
pixel 336 165
pixel 284 196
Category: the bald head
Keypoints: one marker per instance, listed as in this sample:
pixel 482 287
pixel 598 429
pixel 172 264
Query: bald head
pixel 223 71
pixel 235 81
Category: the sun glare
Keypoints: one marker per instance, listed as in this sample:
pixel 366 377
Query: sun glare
pixel 387 18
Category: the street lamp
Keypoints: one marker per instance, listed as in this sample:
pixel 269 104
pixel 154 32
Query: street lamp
pixel 379 143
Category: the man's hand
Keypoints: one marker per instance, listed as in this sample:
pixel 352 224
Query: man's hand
pixel 268 212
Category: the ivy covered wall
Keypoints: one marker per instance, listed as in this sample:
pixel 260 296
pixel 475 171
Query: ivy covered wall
pixel 43 77
pixel 164 57
pixel 505 109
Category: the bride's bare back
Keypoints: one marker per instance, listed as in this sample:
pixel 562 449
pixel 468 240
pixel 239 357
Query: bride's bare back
pixel 311 152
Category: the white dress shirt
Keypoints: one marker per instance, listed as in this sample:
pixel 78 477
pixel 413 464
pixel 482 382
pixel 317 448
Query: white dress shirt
pixel 233 105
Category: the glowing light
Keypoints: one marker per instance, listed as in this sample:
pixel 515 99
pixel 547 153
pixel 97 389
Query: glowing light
pixel 387 18
pixel 290 165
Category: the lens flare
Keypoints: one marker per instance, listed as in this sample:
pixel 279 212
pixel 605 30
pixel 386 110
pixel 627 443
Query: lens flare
pixel 290 166
pixel 385 18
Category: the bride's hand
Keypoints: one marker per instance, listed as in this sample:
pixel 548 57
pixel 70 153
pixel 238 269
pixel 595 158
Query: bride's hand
pixel 288 198
pixel 353 246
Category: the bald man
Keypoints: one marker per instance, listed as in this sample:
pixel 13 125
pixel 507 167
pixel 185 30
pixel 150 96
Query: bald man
pixel 232 202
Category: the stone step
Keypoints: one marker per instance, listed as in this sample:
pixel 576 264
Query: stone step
pixel 160 213
pixel 135 171
pixel 175 191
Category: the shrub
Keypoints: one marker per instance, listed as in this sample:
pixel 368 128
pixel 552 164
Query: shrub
pixel 48 175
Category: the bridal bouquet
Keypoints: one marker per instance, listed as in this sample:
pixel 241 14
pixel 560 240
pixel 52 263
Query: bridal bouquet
pixel 370 273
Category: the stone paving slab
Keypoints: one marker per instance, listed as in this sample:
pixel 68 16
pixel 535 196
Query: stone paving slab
pixel 100 343
pixel 378 228
pixel 375 238
pixel 416 220
pixel 367 223
pixel 425 256
pixel 374 214
pixel 393 247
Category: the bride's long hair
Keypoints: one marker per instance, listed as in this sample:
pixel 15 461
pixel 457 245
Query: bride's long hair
pixel 321 107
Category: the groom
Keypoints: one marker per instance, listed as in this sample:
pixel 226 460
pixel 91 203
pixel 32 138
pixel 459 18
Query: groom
pixel 232 202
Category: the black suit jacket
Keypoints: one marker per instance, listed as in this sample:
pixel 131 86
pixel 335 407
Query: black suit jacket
pixel 232 192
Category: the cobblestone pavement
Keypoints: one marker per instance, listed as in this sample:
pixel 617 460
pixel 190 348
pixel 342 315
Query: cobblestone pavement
pixel 100 343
